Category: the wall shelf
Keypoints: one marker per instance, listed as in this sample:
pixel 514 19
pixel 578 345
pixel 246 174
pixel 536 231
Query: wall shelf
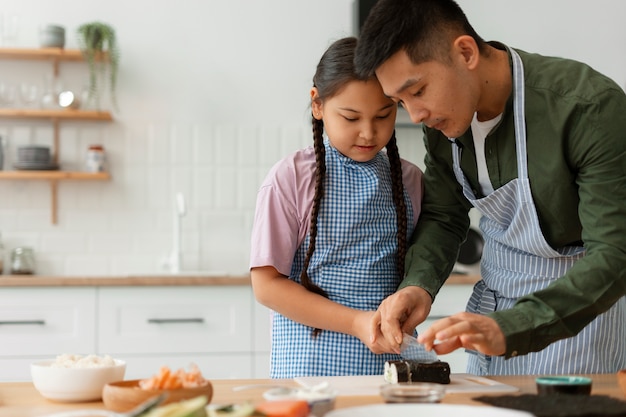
pixel 55 56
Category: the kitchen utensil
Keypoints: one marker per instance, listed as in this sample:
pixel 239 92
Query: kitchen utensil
pixel 22 261
pixel 414 410
pixel 412 392
pixel 413 350
pixel 142 408
pixel 563 385
pixel 122 396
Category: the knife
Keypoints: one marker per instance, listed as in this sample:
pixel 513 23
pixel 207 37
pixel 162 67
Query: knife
pixel 411 349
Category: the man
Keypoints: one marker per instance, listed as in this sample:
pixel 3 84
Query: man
pixel 538 145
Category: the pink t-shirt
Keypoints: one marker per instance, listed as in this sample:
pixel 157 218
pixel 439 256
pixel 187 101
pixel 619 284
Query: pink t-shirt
pixel 284 205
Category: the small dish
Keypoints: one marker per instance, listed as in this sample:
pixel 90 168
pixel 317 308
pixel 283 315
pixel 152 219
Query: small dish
pixel 412 392
pixel 321 401
pixel 548 385
pixel 124 395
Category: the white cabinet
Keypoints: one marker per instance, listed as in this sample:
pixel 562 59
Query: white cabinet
pixel 153 326
pixel 38 323
pixel 450 300
pixel 219 328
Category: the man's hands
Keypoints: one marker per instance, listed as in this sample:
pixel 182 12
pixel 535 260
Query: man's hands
pixel 465 330
pixel 399 313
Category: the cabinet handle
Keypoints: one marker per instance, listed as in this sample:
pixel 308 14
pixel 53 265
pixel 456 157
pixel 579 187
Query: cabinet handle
pixel 21 322
pixel 183 320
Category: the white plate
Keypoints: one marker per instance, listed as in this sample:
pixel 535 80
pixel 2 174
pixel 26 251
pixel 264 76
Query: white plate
pixel 426 410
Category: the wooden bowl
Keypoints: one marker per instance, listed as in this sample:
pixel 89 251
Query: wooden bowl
pixel 124 395
pixel 621 380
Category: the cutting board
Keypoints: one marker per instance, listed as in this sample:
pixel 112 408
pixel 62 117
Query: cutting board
pixel 370 384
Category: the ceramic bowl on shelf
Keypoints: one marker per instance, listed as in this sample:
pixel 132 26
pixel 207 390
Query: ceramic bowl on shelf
pixel 74 384
pixel 548 385
pixel 122 396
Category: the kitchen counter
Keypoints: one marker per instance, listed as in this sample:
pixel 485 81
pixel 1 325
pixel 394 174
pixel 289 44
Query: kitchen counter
pixel 156 280
pixel 20 399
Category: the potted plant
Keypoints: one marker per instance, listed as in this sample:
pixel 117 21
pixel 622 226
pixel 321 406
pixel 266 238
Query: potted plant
pixel 98 45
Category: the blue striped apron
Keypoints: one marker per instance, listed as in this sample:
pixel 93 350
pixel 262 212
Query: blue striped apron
pixel 518 261
pixel 354 262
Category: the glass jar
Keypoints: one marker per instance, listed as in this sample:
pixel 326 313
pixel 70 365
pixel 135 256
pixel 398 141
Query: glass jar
pixel 95 158
pixel 22 261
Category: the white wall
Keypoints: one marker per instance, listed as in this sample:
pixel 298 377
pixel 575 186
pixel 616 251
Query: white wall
pixel 211 94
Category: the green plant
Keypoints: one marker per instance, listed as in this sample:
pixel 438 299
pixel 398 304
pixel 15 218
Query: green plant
pixel 98 45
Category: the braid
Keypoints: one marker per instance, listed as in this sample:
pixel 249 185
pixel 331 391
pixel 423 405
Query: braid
pixel 320 175
pixel 397 188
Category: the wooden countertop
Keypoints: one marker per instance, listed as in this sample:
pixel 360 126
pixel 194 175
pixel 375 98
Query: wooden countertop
pixel 20 399
pixel 156 280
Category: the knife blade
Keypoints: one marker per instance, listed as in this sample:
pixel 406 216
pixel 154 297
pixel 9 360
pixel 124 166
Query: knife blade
pixel 411 349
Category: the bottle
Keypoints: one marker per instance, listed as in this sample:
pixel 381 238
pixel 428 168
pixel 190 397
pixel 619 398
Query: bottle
pixel 22 261
pixel 95 158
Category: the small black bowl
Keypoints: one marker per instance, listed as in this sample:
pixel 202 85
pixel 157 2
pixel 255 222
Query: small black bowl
pixel 548 385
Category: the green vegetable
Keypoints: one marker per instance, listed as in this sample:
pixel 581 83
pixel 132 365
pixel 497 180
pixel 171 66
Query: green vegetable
pixel 194 407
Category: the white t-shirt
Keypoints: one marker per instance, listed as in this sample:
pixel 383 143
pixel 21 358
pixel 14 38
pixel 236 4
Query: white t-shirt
pixel 480 130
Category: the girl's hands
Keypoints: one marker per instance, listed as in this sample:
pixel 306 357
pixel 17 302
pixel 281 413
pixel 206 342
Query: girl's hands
pixel 361 329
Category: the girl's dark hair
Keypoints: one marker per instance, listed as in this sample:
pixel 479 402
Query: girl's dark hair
pixel 334 71
pixel 423 28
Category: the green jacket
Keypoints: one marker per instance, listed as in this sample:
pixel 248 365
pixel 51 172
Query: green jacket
pixel 576 139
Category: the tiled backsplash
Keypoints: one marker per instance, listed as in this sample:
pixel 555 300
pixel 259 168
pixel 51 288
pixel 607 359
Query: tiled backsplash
pixel 124 226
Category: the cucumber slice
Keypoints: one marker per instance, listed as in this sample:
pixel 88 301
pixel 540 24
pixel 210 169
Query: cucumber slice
pixel 232 410
pixel 194 407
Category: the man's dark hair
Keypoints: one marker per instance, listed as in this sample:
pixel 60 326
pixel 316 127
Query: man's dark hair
pixel 425 29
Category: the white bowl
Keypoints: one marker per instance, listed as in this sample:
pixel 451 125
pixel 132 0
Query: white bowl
pixel 74 384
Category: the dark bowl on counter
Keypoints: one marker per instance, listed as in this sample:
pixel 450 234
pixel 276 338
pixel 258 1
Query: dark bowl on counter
pixel 549 385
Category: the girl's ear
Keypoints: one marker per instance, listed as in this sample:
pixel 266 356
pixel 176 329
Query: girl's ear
pixel 316 104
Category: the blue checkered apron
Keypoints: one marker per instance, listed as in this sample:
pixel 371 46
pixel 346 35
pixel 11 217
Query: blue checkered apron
pixel 518 261
pixel 354 262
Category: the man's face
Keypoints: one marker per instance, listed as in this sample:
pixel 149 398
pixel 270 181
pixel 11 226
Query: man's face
pixel 440 95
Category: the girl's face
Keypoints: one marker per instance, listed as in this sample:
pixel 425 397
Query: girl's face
pixel 359 120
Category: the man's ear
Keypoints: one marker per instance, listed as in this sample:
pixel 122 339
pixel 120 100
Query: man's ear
pixel 465 47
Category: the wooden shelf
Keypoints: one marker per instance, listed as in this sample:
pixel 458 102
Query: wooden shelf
pixel 54 175
pixel 56 114
pixel 54 55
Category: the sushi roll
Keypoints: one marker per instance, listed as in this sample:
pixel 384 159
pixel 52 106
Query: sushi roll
pixel 414 371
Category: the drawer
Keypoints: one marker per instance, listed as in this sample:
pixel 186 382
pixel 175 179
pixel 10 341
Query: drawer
pixel 47 321
pixel 174 320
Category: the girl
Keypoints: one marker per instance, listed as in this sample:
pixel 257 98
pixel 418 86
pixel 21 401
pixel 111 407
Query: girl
pixel 331 226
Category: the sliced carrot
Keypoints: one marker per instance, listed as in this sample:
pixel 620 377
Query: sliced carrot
pixel 166 379
pixel 284 408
